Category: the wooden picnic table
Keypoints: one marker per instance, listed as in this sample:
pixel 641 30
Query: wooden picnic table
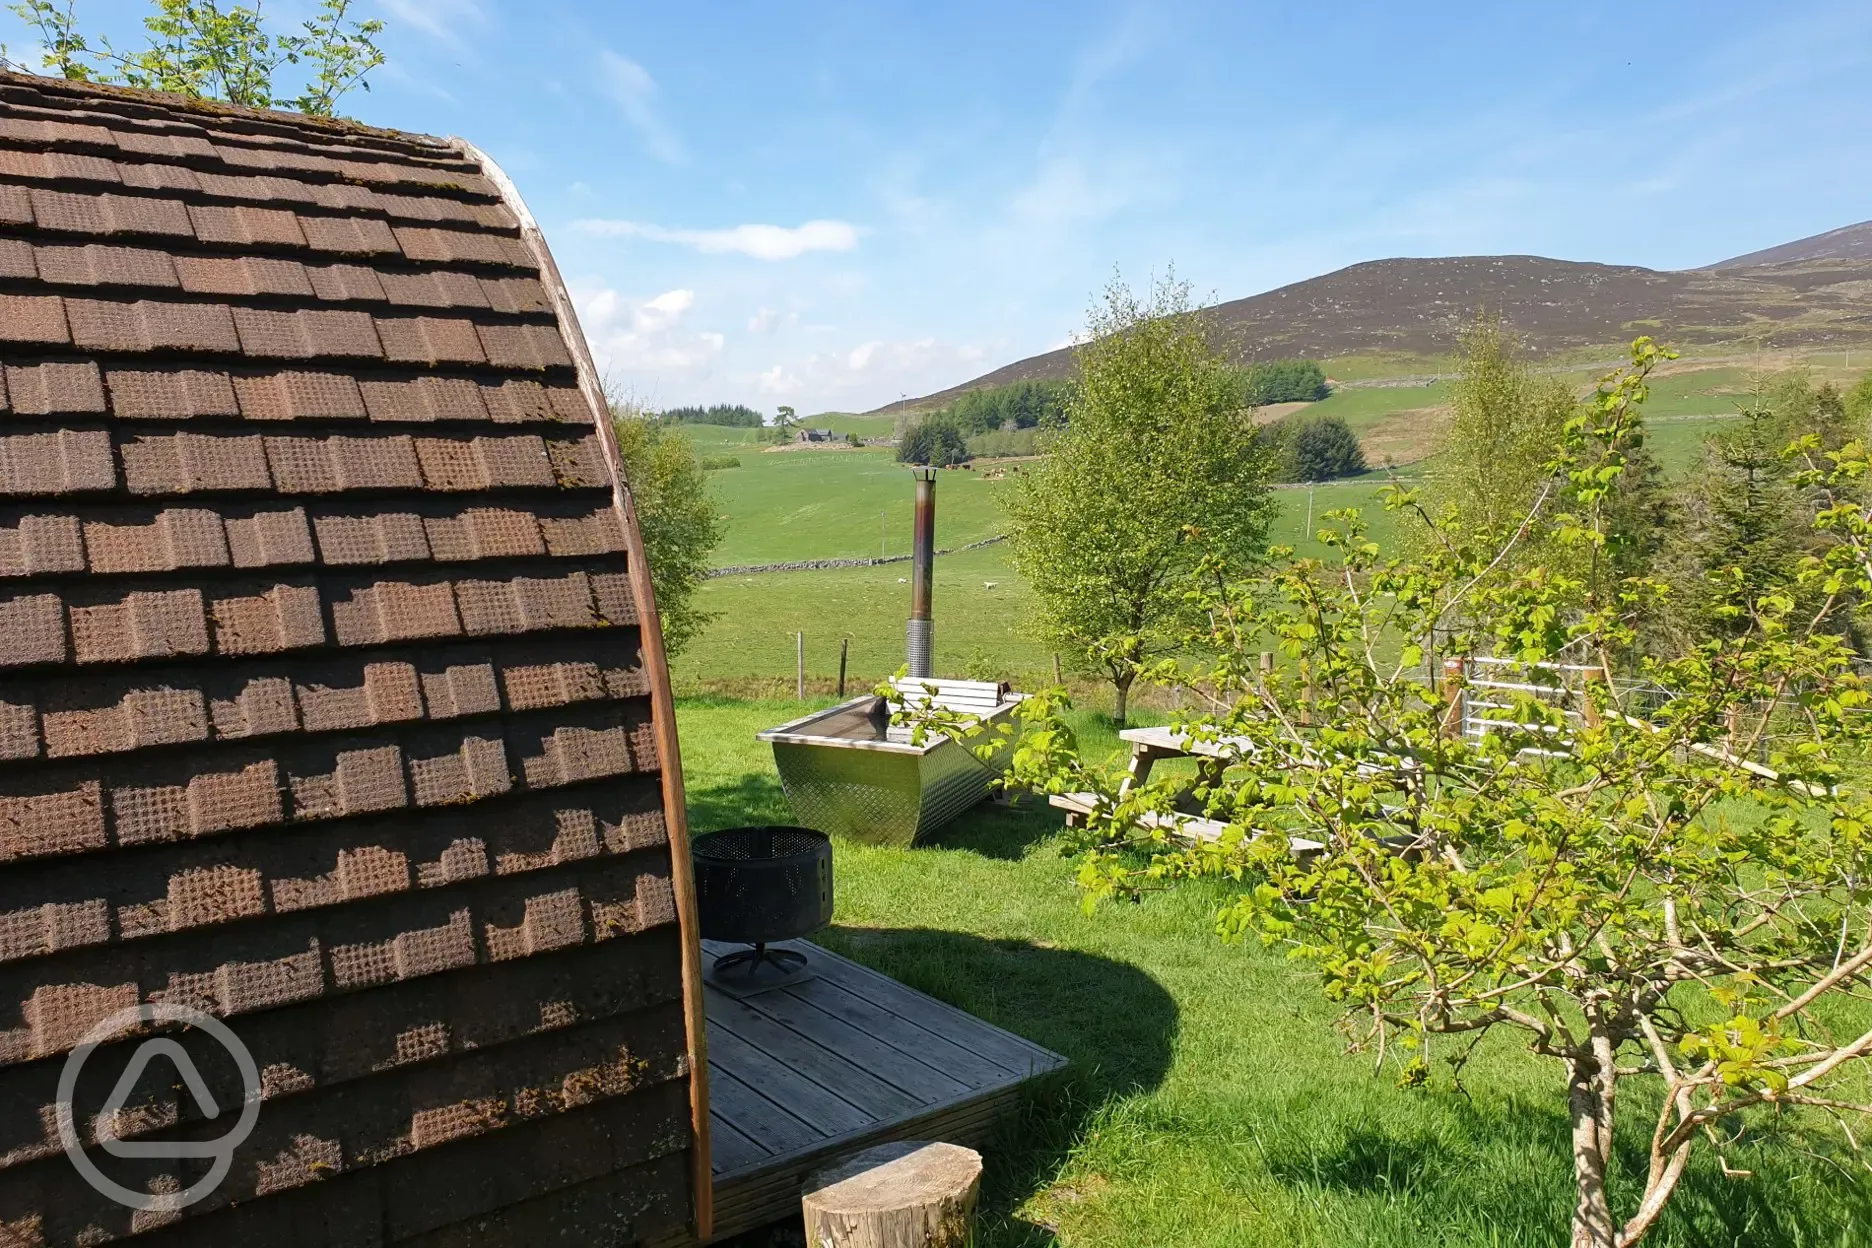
pixel 1148 746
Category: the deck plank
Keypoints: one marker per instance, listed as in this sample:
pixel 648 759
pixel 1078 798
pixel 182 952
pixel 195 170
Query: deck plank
pixel 729 1149
pixel 905 1071
pixel 1003 1048
pixel 754 1115
pixel 847 1058
pixel 824 1111
pixel 799 1053
pixel 952 1059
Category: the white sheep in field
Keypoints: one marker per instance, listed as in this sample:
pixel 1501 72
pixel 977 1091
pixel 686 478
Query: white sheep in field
pixel 990 584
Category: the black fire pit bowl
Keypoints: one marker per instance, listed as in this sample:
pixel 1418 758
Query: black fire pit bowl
pixel 755 886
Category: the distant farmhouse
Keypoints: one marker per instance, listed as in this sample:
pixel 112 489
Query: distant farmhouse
pixel 817 435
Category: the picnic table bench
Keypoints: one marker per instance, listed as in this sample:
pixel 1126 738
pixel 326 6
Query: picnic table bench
pixel 1148 746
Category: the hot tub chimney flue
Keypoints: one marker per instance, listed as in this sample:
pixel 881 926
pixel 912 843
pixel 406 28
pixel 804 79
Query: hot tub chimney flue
pixel 919 635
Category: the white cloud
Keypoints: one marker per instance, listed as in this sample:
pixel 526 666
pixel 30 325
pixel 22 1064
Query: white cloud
pixel 767 320
pixel 635 337
pixel 439 19
pixel 872 372
pixel 777 380
pixel 763 242
pixel 634 92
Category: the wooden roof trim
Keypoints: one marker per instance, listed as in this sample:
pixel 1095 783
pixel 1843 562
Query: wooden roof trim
pixel 663 705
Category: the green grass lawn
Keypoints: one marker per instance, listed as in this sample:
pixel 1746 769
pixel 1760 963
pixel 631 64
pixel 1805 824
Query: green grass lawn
pixel 1366 405
pixel 784 505
pixel 1210 1102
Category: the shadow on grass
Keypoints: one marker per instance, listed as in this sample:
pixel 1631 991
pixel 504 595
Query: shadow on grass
pixel 997 830
pixel 1504 1174
pixel 1115 1024
pixel 752 798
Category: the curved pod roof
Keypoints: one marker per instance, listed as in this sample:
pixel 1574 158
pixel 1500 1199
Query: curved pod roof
pixel 332 701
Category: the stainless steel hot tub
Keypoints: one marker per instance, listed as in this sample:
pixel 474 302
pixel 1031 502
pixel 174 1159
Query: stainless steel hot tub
pixel 845 776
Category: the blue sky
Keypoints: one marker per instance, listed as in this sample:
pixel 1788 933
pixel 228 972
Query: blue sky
pixel 831 206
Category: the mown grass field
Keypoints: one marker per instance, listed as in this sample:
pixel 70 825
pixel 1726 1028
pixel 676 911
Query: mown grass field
pixel 982 605
pixel 792 505
pixel 1209 1102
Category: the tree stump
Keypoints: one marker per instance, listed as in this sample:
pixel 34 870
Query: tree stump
pixel 910 1194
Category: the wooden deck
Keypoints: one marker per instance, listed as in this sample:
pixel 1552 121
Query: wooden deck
pixel 837 1062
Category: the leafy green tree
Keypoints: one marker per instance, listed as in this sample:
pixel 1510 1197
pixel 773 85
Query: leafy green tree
pixel 1021 405
pixel 1325 449
pixel 1493 460
pixel 785 418
pixel 1742 522
pixel 1857 404
pixel 1283 381
pixel 199 49
pixel 676 515
pixel 933 440
pixel 1156 450
pixel 1619 892
pixel 733 415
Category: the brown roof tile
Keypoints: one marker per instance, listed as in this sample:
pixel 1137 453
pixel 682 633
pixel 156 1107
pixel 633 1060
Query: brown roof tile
pixel 269 538
pixel 346 283
pixel 298 395
pixel 519 399
pixel 187 463
pixel 33 319
pixel 161 177
pixel 266 190
pixel 515 294
pixel 95 264
pixel 38 543
pixel 307 334
pixel 524 346
pixel 242 275
pixel 458 246
pixel 578 463
pixel 424 399
pixel 67 212
pixel 16 260
pixel 394 611
pixel 169 393
pixel 245 226
pixel 429 340
pixel 143 624
pixel 348 236
pixel 69 461
pixel 393 537
pixel 143 325
pixel 15 206
pixel 34 626
pixel 55 388
pixel 438 289
pixel 171 539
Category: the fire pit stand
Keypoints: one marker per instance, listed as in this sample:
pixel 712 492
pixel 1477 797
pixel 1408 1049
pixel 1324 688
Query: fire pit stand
pixel 758 885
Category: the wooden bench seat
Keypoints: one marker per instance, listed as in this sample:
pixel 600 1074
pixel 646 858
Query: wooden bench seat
pixel 1184 827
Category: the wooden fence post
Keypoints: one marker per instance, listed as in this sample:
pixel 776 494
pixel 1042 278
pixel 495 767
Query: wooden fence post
pixel 1588 712
pixel 1452 698
pixel 799 665
pixel 844 647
